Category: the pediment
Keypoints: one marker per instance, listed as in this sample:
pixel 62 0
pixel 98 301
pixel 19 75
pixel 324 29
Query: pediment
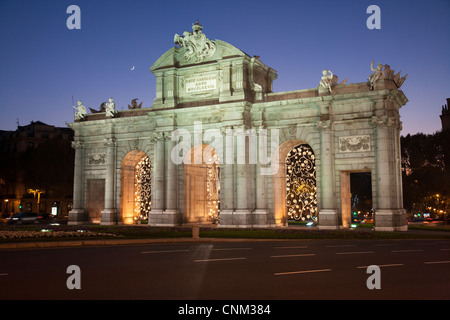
pixel 176 57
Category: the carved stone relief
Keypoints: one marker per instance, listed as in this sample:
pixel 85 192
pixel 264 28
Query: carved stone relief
pixel 354 143
pixel 96 158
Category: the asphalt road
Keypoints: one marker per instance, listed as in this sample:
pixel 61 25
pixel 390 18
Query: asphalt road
pixel 249 270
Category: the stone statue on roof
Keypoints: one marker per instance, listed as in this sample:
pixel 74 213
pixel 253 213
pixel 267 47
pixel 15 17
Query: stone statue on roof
pixel 387 73
pixel 134 104
pixel 327 79
pixel 378 74
pixel 110 108
pixel 81 112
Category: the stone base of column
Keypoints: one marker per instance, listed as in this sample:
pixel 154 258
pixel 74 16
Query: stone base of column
pixel 163 218
pixel 260 218
pixel 226 218
pixel 77 217
pixel 236 219
pixel 328 219
pixel 108 217
pixel 390 220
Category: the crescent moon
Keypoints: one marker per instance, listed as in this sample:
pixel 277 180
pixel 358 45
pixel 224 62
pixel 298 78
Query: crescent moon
pixel 132 68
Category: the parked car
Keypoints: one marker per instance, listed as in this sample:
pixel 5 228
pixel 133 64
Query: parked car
pixel 23 217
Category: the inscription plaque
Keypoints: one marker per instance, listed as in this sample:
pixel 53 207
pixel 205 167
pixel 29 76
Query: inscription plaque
pixel 200 83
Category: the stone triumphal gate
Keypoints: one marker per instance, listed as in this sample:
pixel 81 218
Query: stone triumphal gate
pixel 219 146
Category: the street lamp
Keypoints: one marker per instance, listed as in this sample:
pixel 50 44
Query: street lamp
pixel 38 192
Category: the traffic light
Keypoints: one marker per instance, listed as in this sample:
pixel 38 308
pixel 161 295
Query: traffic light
pixel 354 216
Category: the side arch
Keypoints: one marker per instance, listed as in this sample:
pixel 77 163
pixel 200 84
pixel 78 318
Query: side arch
pixel 135 194
pixel 202 185
pixel 283 185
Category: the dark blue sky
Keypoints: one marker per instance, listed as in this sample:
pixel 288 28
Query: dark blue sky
pixel 43 63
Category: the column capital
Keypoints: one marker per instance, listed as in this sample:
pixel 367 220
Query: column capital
pixel 167 136
pixel 109 142
pixel 379 121
pixel 78 144
pixel 226 130
pixel 157 136
pixel 325 125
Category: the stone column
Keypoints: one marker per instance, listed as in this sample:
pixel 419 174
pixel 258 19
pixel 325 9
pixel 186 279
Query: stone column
pixel 77 214
pixel 328 217
pixel 389 214
pixel 171 212
pixel 159 99
pixel 382 164
pixel 170 82
pixel 238 80
pixel 158 187
pixel 227 179
pixel 109 213
pixel 242 213
pixel 225 92
pixel 260 213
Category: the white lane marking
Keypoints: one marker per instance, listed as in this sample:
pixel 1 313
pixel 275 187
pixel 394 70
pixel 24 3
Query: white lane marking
pixel 300 272
pixel 223 259
pixel 299 247
pixel 227 249
pixel 294 255
pixel 435 262
pixel 341 246
pixel 164 251
pixel 409 250
pixel 355 252
pixel 383 265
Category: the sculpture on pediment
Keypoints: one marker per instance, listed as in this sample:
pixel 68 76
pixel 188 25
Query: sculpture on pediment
pixel 390 75
pixel 387 73
pixel 196 43
pixel 335 81
pixel 81 112
pixel 102 108
pixel 134 104
pixel 378 74
pixel 327 79
pixel 110 108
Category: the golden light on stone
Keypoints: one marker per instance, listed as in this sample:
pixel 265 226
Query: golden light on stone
pixel 301 192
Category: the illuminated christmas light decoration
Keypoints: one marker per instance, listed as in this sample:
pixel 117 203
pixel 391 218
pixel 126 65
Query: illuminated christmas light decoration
pixel 142 187
pixel 213 187
pixel 301 192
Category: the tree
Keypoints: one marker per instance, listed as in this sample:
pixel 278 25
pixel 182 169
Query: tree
pixel 425 165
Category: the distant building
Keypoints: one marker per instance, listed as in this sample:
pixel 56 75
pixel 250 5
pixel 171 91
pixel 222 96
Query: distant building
pixel 30 136
pixel 445 116
pixel 15 148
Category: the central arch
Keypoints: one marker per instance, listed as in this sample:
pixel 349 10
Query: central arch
pixel 135 199
pixel 202 185
pixel 295 191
